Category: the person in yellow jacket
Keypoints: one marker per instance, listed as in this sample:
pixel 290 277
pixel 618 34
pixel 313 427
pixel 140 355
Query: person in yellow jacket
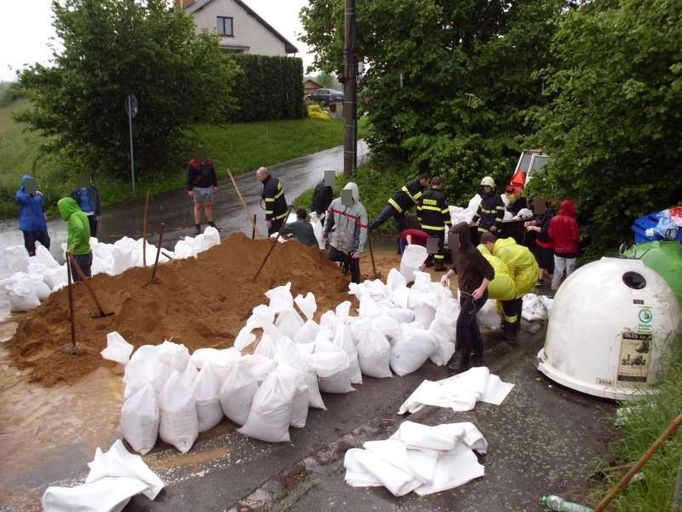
pixel 524 271
pixel 501 288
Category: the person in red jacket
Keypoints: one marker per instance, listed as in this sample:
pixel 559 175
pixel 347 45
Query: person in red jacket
pixel 564 232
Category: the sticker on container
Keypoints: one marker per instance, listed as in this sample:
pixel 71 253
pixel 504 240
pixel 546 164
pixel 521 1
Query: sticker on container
pixel 635 352
pixel 645 316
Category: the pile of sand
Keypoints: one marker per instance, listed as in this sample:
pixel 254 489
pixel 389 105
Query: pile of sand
pixel 201 302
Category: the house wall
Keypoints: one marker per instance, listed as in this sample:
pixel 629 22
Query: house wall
pixel 310 87
pixel 248 32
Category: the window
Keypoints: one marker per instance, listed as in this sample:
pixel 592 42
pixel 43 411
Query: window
pixel 225 26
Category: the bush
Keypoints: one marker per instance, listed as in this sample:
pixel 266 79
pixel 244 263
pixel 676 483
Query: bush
pixel 267 89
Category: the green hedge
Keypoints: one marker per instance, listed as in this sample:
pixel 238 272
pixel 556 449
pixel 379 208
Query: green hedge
pixel 268 89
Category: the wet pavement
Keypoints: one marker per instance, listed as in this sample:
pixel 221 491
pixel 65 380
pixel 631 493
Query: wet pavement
pixel 543 440
pixel 174 208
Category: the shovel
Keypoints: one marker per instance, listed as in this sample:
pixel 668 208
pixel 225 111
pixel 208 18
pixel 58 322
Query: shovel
pixel 84 280
pixel 72 349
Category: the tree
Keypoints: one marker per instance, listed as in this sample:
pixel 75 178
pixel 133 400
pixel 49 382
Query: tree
pixel 113 48
pixel 613 125
pixel 448 82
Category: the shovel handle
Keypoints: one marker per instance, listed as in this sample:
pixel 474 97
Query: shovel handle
pixel 84 280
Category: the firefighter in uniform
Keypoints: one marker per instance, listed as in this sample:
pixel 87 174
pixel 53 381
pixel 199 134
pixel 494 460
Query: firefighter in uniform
pixel 434 216
pixel 275 203
pixel 490 212
pixel 401 202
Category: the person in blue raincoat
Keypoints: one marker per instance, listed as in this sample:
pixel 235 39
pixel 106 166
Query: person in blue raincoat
pixel 32 218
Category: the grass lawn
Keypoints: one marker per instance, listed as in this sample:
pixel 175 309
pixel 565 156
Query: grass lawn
pixel 239 147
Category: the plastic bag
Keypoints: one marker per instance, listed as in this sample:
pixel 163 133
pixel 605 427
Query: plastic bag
pixel 270 413
pixel 140 419
pixel 207 397
pixel 118 349
pixel 179 425
pixel 333 370
pixel 488 317
pixel 289 322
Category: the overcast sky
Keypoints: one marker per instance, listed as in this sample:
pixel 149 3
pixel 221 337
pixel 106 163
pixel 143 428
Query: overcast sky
pixel 26 29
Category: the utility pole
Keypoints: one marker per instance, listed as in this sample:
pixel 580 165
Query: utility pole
pixel 350 110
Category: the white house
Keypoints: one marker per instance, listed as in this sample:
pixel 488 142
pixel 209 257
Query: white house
pixel 241 29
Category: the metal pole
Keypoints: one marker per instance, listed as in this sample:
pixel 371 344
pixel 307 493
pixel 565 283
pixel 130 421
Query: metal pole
pixel 350 114
pixel 144 229
pixel 130 129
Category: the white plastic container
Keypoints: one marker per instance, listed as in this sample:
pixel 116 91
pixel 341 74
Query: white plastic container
pixel 611 321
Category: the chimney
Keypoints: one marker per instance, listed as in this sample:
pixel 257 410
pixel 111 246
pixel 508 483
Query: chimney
pixel 183 4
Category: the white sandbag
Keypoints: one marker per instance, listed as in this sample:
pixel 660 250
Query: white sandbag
pixel 109 494
pixel 15 259
pixel 306 304
pixel 270 413
pixel 36 267
pixel 218 357
pixel 401 315
pixel 118 349
pixel 56 277
pixel 207 398
pixel 360 462
pixel 237 392
pixel 343 339
pixel 307 332
pixel 44 256
pixel 395 280
pixel 314 397
pixel 41 289
pixel 386 325
pixel 140 419
pixel 178 425
pixel 400 297
pixel 334 371
pixel 413 257
pixel 374 354
pixel 144 367
pixel 300 405
pixel 185 248
pixel 260 366
pixel 488 317
pixel 318 230
pixel 443 328
pixel 174 355
pixel 211 237
pixel 411 350
pixel 124 254
pixel 22 296
pixel 280 298
pixel 424 314
pixel 289 322
pixel 119 462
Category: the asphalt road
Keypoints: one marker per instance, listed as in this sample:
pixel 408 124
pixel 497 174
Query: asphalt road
pixel 543 440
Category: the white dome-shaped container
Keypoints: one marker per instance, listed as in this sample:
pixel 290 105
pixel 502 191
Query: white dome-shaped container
pixel 611 321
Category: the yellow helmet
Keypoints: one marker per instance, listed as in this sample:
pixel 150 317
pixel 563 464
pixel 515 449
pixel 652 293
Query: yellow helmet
pixel 488 182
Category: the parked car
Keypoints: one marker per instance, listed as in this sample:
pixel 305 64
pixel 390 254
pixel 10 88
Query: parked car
pixel 326 96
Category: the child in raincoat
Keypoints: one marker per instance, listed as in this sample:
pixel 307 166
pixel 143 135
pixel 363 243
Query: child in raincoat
pixel 78 237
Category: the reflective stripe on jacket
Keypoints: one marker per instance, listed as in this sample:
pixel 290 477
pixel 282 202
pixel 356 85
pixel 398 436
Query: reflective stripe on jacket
pixel 407 196
pixel 275 202
pixel 433 211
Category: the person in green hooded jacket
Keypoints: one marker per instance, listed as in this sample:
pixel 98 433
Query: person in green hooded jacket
pixel 78 236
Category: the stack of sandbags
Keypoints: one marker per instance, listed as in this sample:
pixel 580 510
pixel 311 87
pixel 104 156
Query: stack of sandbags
pixel 418 458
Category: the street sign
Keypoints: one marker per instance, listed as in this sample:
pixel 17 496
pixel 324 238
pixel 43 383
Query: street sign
pixel 131 106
